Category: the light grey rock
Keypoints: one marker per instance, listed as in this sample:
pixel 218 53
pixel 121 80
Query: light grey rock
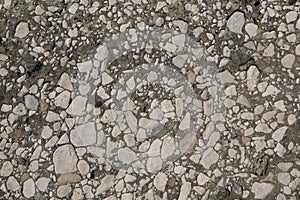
pixel 65 82
pixel 291 16
pixel 65 159
pixel 12 184
pixel 261 190
pixel 63 190
pixel 62 100
pixel 168 147
pixel 126 155
pixel 22 30
pixel 29 188
pixel 185 191
pixel 236 22
pixel 209 158
pixel 225 77
pixel 20 109
pixel 106 183
pixel 160 181
pixel 252 77
pixel 284 178
pixel 42 183
pixel 288 61
pixel 31 102
pixel 84 135
pixel 251 29
pixel 101 53
pixel 154 164
pixel 6 169
pixel 77 106
pixel 83 167
pixel 279 133
pixel 284 166
pixel 202 179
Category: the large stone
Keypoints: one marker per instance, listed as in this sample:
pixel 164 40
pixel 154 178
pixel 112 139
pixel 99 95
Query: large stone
pixel 236 22
pixel 84 135
pixel 65 159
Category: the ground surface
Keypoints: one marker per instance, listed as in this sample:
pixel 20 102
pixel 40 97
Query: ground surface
pixel 213 107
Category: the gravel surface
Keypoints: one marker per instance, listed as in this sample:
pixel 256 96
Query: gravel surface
pixel 145 99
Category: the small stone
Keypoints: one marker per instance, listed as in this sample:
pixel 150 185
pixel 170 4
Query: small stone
pixel 261 190
pixel 83 167
pixel 22 30
pixel 236 22
pixel 202 179
pixel 185 191
pixel 62 100
pixel 65 159
pixel 108 116
pixel 106 78
pixel 168 147
pixel 284 178
pixel 106 183
pixel 236 188
pixel 251 29
pixel 279 133
pixel 284 166
pixel 209 158
pixel 73 8
pixel 154 164
pixel 280 150
pixel 160 181
pixel 6 169
pixel 77 106
pixel 225 77
pixel 77 194
pixel 12 184
pixel 263 128
pixel 148 123
pixel 231 91
pixel 186 122
pixel 271 90
pixel 20 109
pixel 68 178
pixel 84 135
pixel 63 190
pixel 101 53
pixel 65 82
pixel 291 16
pixel 126 155
pixel 187 143
pixel 31 102
pixel 288 61
pixel 154 149
pixel 29 188
pixel 167 106
pixel 42 183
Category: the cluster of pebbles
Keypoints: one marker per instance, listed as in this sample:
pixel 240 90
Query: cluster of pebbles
pixel 149 99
